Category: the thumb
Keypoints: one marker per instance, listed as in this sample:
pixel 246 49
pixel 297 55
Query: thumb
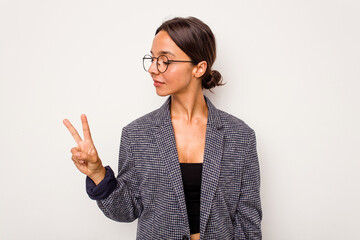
pixel 84 157
pixel 81 157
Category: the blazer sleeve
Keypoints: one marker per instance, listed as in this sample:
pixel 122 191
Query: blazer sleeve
pixel 124 203
pixel 248 213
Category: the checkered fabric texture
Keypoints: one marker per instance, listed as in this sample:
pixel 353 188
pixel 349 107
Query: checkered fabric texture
pixel 149 183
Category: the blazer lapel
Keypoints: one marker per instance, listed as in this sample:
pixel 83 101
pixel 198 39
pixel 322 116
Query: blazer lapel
pixel 211 165
pixel 165 140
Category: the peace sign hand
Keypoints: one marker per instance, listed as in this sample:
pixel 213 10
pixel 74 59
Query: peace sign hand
pixel 85 156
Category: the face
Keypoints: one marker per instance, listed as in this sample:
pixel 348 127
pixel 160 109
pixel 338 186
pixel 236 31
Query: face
pixel 179 77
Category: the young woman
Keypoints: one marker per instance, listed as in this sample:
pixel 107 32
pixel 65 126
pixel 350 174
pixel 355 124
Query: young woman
pixel 186 170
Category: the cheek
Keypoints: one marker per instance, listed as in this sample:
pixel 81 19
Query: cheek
pixel 172 76
pixel 177 75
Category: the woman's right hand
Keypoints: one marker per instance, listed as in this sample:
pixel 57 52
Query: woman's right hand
pixel 85 156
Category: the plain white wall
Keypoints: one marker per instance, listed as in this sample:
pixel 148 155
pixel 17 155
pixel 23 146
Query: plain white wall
pixel 292 73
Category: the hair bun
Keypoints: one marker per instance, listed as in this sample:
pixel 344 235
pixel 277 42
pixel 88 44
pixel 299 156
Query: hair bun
pixel 213 80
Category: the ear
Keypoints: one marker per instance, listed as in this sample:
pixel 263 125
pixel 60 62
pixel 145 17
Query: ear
pixel 200 69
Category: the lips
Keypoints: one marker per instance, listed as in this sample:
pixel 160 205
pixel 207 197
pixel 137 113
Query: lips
pixel 155 81
pixel 158 84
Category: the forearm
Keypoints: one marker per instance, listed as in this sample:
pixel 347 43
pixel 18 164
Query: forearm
pixel 115 197
pixel 122 205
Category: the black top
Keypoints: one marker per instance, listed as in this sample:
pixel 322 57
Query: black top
pixel 191 175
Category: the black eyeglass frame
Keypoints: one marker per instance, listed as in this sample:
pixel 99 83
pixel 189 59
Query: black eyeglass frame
pixel 168 62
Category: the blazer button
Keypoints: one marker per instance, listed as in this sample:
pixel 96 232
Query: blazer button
pixel 185 237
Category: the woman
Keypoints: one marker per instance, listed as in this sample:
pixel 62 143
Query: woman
pixel 186 170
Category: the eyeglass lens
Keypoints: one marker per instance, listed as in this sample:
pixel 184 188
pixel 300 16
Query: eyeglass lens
pixel 161 62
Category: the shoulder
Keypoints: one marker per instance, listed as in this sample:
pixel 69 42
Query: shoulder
pixel 229 123
pixel 143 123
pixel 232 124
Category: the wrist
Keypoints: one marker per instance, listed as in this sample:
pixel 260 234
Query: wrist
pixel 98 176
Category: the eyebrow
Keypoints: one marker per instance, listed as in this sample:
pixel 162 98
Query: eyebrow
pixel 164 53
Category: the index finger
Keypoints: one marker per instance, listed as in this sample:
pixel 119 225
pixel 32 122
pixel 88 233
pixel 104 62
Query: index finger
pixel 72 130
pixel 86 129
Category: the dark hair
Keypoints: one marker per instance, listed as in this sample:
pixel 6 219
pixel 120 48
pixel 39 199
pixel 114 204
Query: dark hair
pixel 196 39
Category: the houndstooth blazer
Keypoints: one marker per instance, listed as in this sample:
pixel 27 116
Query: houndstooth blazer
pixel 149 183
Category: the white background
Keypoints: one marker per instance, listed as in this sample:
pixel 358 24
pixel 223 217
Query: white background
pixel 292 70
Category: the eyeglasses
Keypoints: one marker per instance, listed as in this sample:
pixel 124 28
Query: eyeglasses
pixel 162 62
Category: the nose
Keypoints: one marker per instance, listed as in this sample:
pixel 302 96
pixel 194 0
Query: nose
pixel 153 69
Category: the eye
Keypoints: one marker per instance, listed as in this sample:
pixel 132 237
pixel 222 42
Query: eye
pixel 162 59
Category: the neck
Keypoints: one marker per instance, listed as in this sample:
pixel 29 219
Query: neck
pixel 188 107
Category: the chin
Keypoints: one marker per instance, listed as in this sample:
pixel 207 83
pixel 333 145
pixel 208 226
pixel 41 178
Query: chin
pixel 162 94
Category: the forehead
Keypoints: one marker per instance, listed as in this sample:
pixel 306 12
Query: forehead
pixel 163 43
